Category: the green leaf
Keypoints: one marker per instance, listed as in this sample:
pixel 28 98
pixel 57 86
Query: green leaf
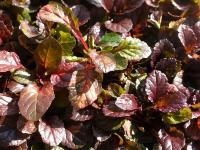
pixel 121 62
pixel 115 90
pixel 68 42
pixel 110 40
pixel 48 54
pixel 22 76
pixel 133 49
pixel 180 116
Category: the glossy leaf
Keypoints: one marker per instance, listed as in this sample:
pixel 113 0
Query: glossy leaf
pixel 133 49
pixel 34 101
pixel 127 102
pixel 104 62
pixel 48 54
pixel 187 38
pixel 110 40
pixel 55 12
pixel 52 131
pixel 84 87
pixel 9 61
pixel 156 85
pixel 82 13
pixel 122 26
pixel 173 140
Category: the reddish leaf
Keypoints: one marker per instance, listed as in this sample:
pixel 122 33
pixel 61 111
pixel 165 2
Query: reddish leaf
pixel 172 140
pixel 52 131
pixel 84 87
pixel 127 102
pixel 34 101
pixel 104 62
pixel 171 102
pixel 156 85
pixel 15 87
pixel 197 32
pixel 112 110
pixel 26 126
pixel 122 26
pixel 63 74
pixel 187 38
pixel 7 105
pixel 55 12
pixel 9 61
pixel 178 82
pixel 121 6
pixel 83 114
pixel 82 13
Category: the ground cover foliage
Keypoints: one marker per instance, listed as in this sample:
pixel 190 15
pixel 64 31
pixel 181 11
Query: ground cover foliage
pixel 99 74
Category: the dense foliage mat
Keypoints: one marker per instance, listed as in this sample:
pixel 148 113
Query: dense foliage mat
pixel 100 74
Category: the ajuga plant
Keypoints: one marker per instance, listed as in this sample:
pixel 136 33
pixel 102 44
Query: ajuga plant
pixel 100 74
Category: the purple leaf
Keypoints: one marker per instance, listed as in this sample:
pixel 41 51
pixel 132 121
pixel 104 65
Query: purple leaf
pixel 156 85
pixel 127 102
pixel 171 102
pixel 83 114
pixel 172 140
pixel 63 74
pixel 82 13
pixel 187 38
pixel 162 49
pixel 121 26
pixel 112 110
pixel 52 131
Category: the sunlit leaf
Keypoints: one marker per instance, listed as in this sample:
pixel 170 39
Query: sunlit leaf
pixel 84 86
pixel 180 116
pixel 172 140
pixel 34 101
pixel 104 62
pixel 122 26
pixel 48 54
pixel 52 131
pixel 156 84
pixel 9 61
pixel 133 49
